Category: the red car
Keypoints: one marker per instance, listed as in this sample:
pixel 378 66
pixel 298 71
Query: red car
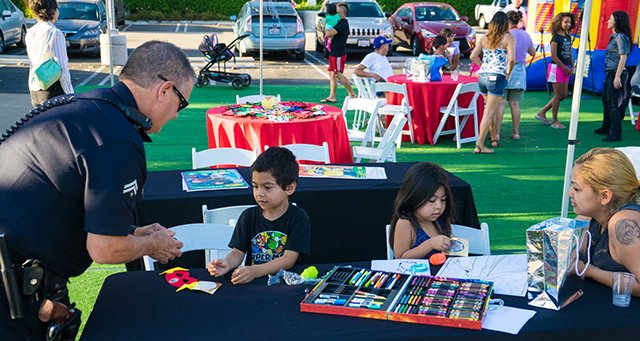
pixel 415 25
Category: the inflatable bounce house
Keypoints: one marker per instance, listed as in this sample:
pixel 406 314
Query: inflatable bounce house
pixel 540 14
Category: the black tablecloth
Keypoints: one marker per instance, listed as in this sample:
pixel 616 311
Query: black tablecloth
pixel 347 216
pixel 142 306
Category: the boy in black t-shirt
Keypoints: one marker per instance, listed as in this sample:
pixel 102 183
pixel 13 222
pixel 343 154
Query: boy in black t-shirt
pixel 274 233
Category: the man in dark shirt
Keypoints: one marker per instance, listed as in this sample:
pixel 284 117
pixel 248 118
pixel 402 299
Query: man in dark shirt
pixel 72 171
pixel 338 56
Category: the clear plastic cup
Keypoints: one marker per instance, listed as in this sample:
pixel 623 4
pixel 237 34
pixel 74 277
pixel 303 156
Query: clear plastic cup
pixel 622 288
pixel 454 75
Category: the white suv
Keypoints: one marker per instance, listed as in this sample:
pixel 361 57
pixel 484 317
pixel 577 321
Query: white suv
pixel 366 21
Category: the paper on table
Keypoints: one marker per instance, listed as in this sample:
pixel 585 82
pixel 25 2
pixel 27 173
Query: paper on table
pixel 507 272
pixel 342 172
pixel 507 319
pixel 418 267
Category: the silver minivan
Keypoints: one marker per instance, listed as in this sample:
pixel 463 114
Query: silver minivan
pixel 13 28
pixel 282 29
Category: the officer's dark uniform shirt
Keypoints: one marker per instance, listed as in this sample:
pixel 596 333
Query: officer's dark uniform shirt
pixel 72 169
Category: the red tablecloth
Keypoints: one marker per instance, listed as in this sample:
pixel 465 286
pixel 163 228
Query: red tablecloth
pixel 427 98
pixel 254 133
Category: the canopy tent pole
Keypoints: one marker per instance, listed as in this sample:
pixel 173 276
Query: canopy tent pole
pixel 109 28
pixel 261 28
pixel 575 106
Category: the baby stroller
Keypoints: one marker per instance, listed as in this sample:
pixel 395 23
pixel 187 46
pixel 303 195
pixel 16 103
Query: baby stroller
pixel 216 53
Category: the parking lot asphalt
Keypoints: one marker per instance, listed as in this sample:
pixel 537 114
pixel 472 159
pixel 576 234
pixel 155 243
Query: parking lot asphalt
pixel 277 68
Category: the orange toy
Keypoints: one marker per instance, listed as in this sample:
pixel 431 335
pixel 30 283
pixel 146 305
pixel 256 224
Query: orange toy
pixel 438 258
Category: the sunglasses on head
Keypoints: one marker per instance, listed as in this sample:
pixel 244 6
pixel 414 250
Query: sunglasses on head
pixel 183 101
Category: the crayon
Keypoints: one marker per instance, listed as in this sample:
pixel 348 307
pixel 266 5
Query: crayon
pixel 393 282
pixel 364 276
pixel 368 294
pixel 330 301
pixel 334 296
pixel 372 279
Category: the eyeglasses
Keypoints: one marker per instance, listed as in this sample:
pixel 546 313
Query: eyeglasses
pixel 183 101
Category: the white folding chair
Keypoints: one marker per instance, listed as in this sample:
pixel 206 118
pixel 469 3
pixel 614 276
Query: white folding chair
pixel 309 152
pixel 631 112
pixel 253 99
pixel 212 238
pixel 222 156
pixel 223 215
pixel 370 109
pixel 385 150
pixel 393 109
pixel 387 230
pixel 456 111
pixel 633 153
pixel 363 85
pixel 478 238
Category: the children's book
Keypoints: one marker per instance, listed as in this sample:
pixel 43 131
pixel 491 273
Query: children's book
pixel 212 179
pixel 342 172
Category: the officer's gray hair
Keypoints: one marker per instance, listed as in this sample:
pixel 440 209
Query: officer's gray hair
pixel 155 58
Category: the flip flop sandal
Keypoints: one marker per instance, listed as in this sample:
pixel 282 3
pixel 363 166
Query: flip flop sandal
pixel 482 150
pixel 328 100
pixel 544 120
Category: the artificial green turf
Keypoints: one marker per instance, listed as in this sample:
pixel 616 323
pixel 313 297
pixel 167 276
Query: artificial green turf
pixel 519 185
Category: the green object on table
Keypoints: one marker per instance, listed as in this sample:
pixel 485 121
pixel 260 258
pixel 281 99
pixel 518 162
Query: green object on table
pixel 310 273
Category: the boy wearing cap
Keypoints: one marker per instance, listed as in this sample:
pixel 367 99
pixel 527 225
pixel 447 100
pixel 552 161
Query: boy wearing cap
pixel 375 64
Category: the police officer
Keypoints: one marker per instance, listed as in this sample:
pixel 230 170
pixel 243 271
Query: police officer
pixel 71 172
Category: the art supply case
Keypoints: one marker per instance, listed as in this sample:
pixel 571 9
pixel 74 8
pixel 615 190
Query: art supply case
pixel 348 291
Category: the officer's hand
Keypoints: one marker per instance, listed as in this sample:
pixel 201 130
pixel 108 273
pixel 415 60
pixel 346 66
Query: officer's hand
pixel 165 246
pixel 148 230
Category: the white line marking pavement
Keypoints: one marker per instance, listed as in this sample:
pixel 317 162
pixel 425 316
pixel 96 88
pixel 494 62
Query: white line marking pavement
pixel 323 73
pixel 178 27
pixel 116 71
pixel 185 27
pixel 93 75
pixel 126 28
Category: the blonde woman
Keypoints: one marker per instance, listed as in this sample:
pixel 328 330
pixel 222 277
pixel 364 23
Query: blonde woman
pixel 41 38
pixel 498 55
pixel 604 188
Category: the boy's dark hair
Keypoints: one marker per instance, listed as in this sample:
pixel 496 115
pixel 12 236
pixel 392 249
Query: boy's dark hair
pixel 447 32
pixel 332 9
pixel 439 41
pixel 280 162
pixel 420 183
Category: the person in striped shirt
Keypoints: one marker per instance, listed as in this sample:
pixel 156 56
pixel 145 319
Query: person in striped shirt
pixel 43 38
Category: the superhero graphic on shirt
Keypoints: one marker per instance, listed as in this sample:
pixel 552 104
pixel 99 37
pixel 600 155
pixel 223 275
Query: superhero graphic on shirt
pixel 267 246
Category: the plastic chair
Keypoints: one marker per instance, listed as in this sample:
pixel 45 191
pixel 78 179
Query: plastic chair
pixel 212 238
pixel 631 112
pixel 456 111
pixel 393 109
pixel 222 156
pixel 253 99
pixel 363 85
pixel 633 153
pixel 385 150
pixel 309 152
pixel 479 243
pixel 370 108
pixel 387 230
pixel 224 215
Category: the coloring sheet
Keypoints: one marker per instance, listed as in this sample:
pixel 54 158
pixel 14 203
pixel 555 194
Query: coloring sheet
pixel 507 272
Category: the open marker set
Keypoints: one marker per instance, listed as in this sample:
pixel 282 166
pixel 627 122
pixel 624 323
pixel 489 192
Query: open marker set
pixel 348 291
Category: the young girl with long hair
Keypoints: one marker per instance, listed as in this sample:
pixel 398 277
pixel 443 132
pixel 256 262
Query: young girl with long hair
pixel 561 68
pixel 616 91
pixel 498 55
pixel 422 214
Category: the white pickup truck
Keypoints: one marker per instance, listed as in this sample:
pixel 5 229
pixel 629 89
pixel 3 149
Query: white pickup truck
pixel 484 13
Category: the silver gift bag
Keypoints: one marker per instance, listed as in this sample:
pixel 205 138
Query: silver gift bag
pixel 552 269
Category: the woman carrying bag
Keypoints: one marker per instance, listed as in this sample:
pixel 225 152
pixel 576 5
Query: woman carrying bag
pixel 46 47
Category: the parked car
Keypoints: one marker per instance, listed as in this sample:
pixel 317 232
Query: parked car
pixel 13 28
pixel 415 25
pixel 82 22
pixel 366 21
pixel 484 13
pixel 118 8
pixel 282 29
